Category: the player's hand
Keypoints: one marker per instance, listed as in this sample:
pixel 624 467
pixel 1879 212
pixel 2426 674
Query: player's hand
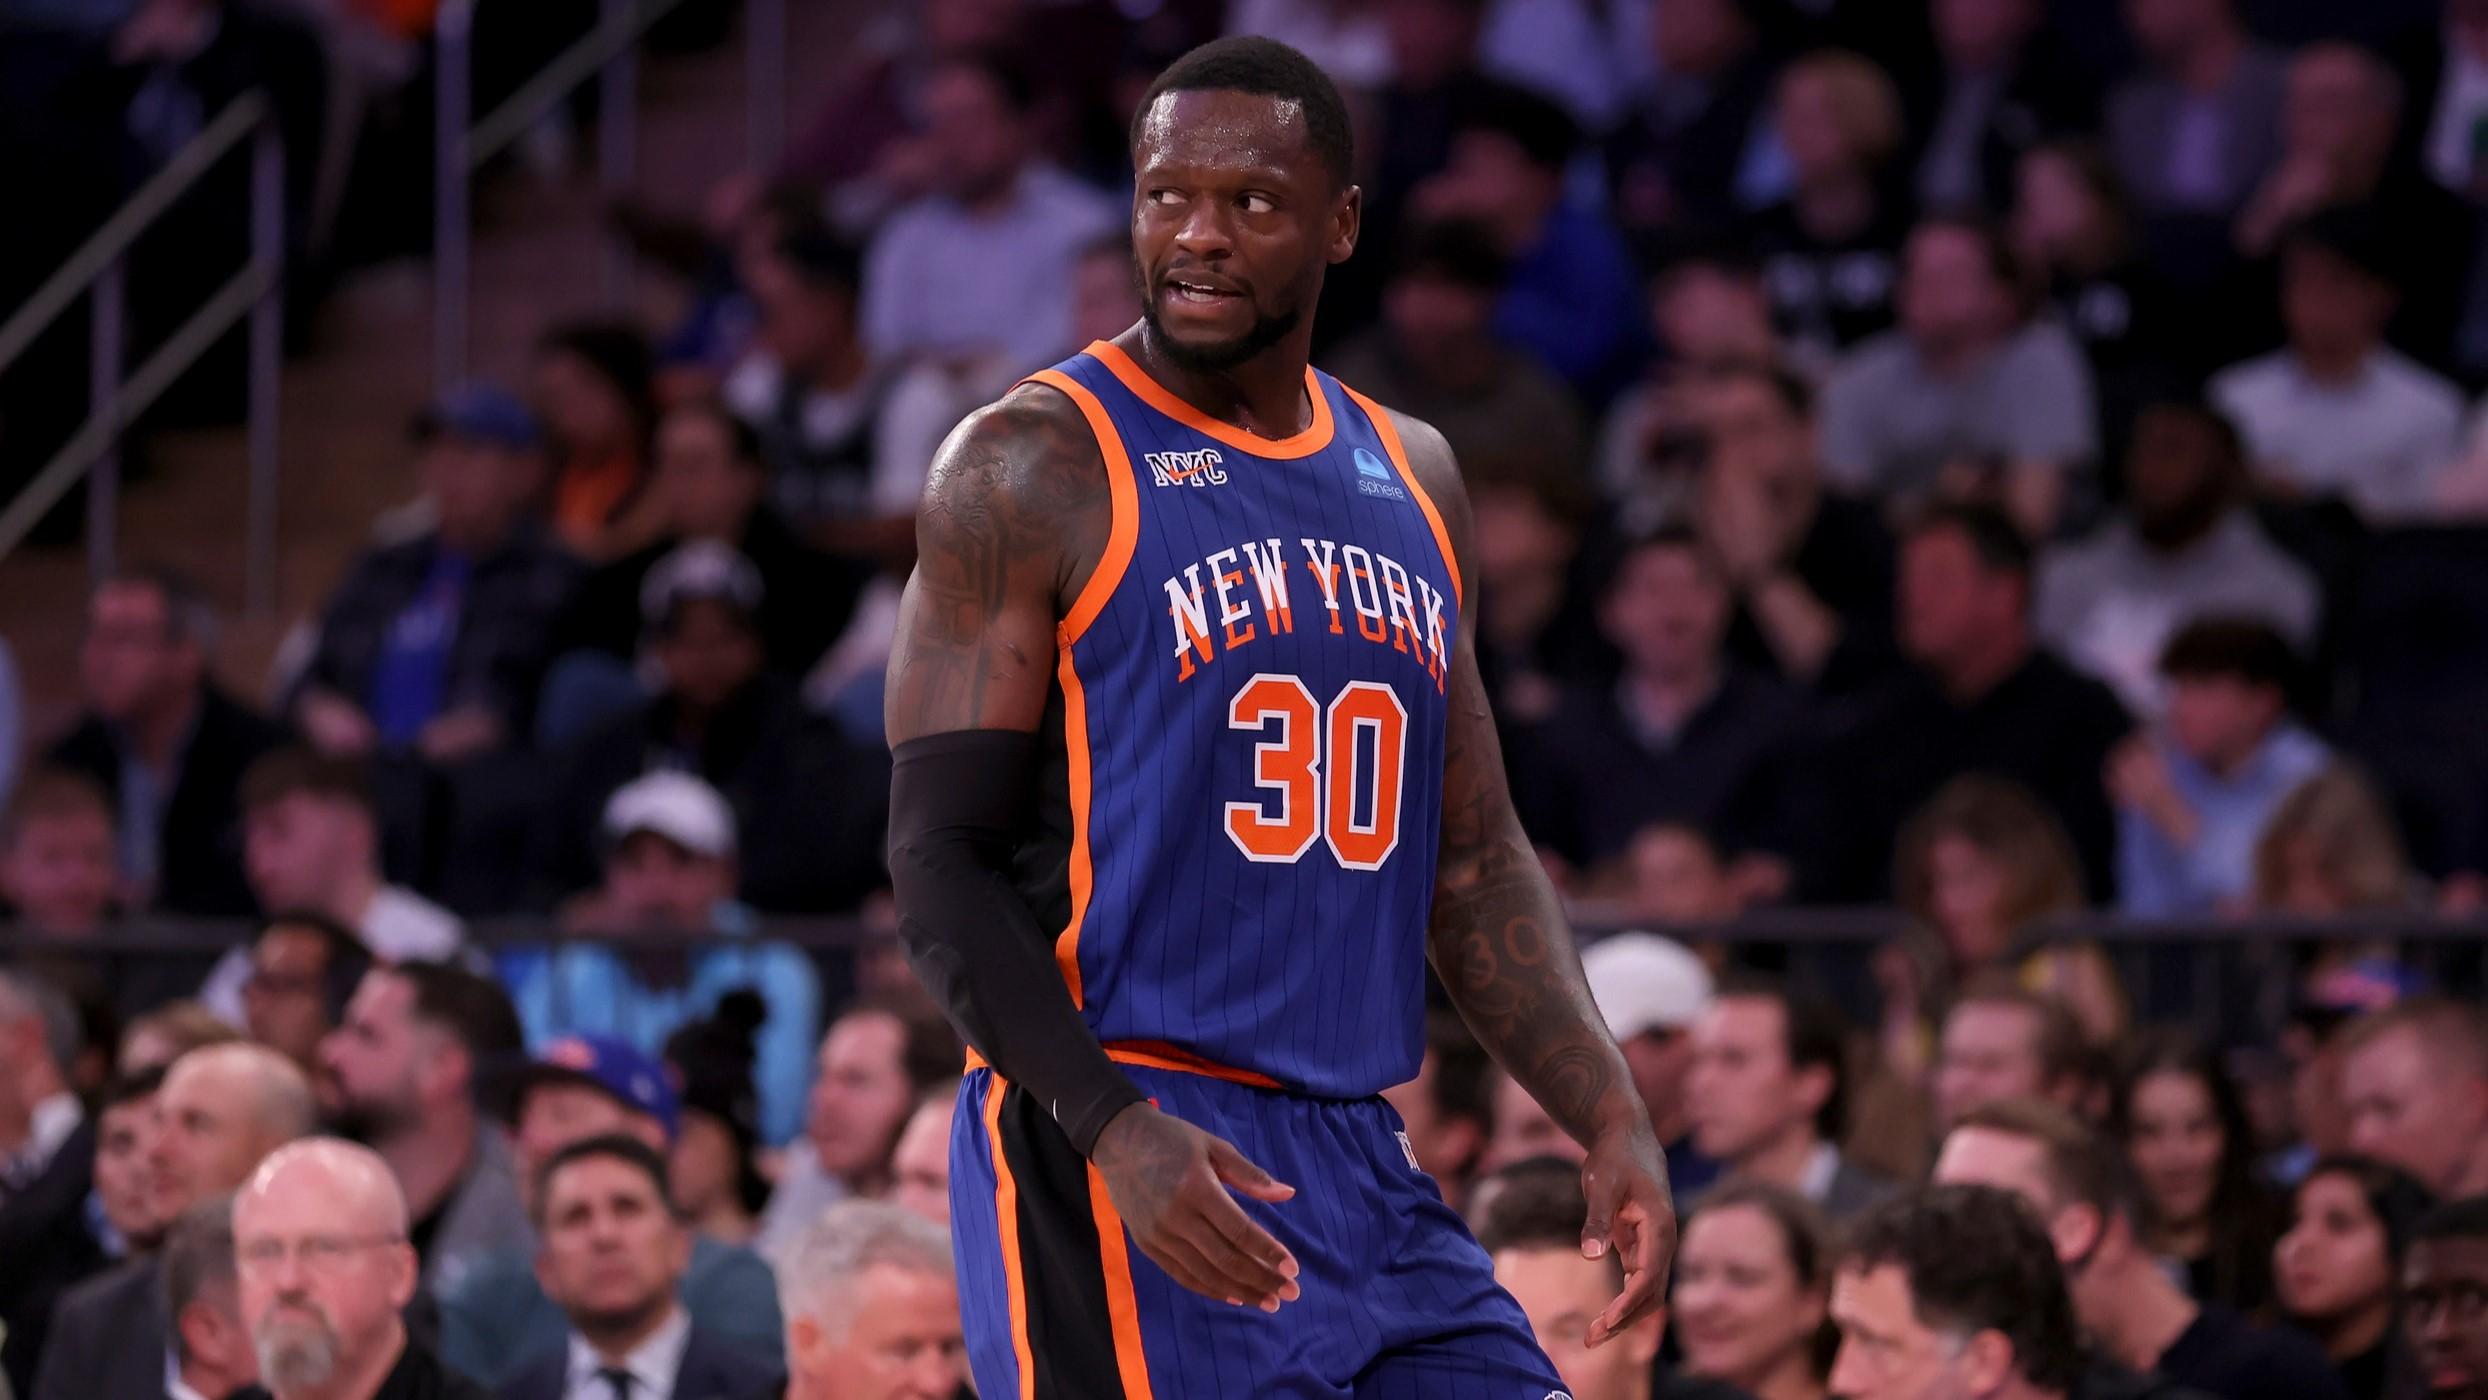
pixel 1170 1182
pixel 1632 1213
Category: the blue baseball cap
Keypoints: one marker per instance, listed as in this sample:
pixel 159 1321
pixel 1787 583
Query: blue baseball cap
pixel 631 1075
pixel 480 413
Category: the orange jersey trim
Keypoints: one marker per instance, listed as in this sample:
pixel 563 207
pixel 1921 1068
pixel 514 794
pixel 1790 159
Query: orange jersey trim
pixel 1006 1216
pixel 1388 431
pixel 1314 438
pixel 1153 1054
pixel 1123 535
pixel 1122 1305
pixel 1082 874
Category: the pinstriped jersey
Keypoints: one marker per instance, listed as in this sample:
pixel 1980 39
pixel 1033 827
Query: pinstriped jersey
pixel 1251 694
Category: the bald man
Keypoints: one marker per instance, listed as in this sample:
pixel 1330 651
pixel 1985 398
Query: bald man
pixel 223 1109
pixel 319 1240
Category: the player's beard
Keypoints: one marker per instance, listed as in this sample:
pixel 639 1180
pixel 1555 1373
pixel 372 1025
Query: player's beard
pixel 1220 356
pixel 297 1349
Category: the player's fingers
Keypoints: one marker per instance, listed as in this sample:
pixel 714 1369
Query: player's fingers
pixel 1239 1172
pixel 1245 1235
pixel 1255 1279
pixel 1640 1295
pixel 1183 1263
pixel 1600 1224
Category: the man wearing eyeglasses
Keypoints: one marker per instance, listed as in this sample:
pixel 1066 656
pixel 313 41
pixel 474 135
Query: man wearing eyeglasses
pixel 319 1239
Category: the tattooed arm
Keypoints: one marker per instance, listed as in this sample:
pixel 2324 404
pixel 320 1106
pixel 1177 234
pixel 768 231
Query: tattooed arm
pixel 1015 517
pixel 1499 941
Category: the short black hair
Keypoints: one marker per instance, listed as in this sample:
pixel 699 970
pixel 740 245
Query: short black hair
pixel 2396 1198
pixel 820 259
pixel 471 1008
pixel 2000 545
pixel 300 769
pixel 131 1088
pixel 618 352
pixel 2230 648
pixel 1452 250
pixel 1785 384
pixel 2187 396
pixel 2354 235
pixel 1540 1206
pixel 348 959
pixel 1977 1260
pixel 1817 1035
pixel 1545 132
pixel 2465 1219
pixel 620 1147
pixel 1248 63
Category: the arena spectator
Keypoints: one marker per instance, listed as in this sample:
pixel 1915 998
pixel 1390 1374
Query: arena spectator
pixel 1523 1130
pixel 612 1253
pixel 1831 251
pixel 2003 91
pixel 1536 626
pixel 581 1088
pixel 1571 296
pixel 2185 1136
pixel 2132 1310
pixel 2444 1277
pixel 1652 991
pixel 1711 313
pixel 1448 1110
pixel 1679 159
pixel 845 432
pixel 46 1231
pixel 1953 1291
pixel 714 1166
pixel 2185 548
pixel 1435 355
pixel 920 1164
pixel 1809 567
pixel 331 1329
pixel 1683 735
pixel 2194 133
pixel 1970 396
pixel 2076 233
pixel 311 841
pixel 875 1062
pixel 304 967
pixel 2414 1078
pixel 2337 1271
pixel 2451 151
pixel 978 272
pixel 2331 848
pixel 56 856
pixel 1673 874
pixel 1980 697
pixel 125 1133
pixel 872 1307
pixel 2194 796
pixel 166 742
pixel 224 1110
pixel 2335 412
pixel 595 393
pixel 709 483
pixel 404 1072
pixel 156 1039
pixel 670 870
pixel 2340 130
pixel 1767 1095
pixel 2001 1041
pixel 1533 1234
pixel 1752 1290
pixel 212 1354
pixel 806 799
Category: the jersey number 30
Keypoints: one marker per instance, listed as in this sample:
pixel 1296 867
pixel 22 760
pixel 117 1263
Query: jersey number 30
pixel 1323 775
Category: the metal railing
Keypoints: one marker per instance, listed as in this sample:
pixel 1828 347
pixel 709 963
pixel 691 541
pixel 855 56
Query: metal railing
pixel 117 394
pixel 607 54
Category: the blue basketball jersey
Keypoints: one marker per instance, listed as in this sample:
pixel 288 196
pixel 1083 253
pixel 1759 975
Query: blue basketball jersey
pixel 1252 706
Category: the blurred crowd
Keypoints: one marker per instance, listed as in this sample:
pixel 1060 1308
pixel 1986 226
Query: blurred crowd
pixel 1992 459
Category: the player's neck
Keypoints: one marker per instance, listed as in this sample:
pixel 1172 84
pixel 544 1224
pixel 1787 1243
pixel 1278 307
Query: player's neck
pixel 1264 395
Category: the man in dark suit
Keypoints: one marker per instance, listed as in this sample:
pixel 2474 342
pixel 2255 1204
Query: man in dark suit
pixel 47 1170
pixel 611 1251
pixel 166 743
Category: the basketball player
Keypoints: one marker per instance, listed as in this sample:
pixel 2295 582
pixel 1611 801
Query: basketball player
pixel 1193 769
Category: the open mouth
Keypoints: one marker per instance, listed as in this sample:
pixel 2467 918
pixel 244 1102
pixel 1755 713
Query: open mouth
pixel 1198 293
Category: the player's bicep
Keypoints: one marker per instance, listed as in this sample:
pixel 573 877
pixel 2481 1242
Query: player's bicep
pixel 975 641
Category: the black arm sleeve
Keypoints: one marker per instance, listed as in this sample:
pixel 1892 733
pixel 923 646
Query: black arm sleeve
pixel 958 802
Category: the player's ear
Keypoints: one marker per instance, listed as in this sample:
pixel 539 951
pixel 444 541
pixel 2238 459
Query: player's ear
pixel 1347 219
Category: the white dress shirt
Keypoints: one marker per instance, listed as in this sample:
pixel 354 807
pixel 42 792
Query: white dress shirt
pixel 653 1364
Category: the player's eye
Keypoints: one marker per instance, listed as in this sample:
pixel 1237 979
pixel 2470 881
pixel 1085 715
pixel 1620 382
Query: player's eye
pixel 1164 197
pixel 1256 203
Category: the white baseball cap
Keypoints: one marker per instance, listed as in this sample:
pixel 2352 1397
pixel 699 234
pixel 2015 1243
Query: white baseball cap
pixel 1644 983
pixel 676 806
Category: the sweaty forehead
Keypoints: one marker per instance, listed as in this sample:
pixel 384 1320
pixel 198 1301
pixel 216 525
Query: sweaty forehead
pixel 1220 131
